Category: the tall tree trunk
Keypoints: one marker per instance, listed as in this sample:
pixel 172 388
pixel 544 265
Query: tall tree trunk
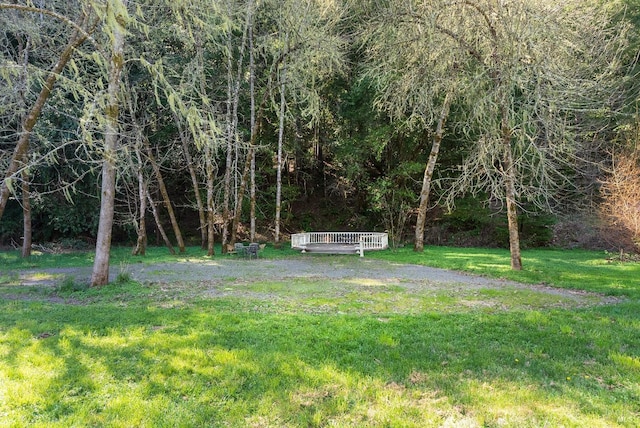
pixel 207 218
pixel 245 174
pixel 428 174
pixel 247 166
pixel 165 195
pixel 141 243
pixel 510 193
pixel 156 217
pixel 194 183
pixel 252 93
pixel 279 159
pixel 26 216
pixel 252 195
pixel 233 100
pixel 27 232
pixel 241 191
pixel 226 198
pixel 211 173
pixel 140 223
pixel 100 274
pixel 22 147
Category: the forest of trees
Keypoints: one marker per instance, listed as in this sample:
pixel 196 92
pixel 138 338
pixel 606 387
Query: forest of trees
pixel 510 123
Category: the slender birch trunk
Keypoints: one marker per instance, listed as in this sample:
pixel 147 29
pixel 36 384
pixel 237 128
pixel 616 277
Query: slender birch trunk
pixel 428 174
pixel 141 243
pixel 247 166
pixel 279 158
pixel 207 218
pixel 156 217
pixel 510 192
pixel 233 95
pixel 165 195
pixel 140 223
pixel 211 172
pixel 241 192
pixel 252 94
pixel 226 199
pixel 100 274
pixel 27 231
pixel 194 183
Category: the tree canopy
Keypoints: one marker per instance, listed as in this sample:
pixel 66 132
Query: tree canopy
pixel 389 115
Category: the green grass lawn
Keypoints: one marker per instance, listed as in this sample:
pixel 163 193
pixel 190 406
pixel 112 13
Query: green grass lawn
pixel 574 269
pixel 314 352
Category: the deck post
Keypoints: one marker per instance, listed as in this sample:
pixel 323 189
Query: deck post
pixel 361 250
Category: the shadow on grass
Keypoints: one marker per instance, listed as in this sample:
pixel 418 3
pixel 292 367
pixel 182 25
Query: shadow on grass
pixel 223 363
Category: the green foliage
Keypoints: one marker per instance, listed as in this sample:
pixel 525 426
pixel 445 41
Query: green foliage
pixel 74 244
pixel 289 193
pixel 68 219
pixel 11 224
pixel 536 229
pixel 472 223
pixel 392 201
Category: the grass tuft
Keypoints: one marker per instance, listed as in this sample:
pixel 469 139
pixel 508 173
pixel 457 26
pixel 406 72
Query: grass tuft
pixel 70 285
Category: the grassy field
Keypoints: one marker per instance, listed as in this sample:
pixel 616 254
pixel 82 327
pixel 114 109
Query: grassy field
pixel 574 269
pixel 315 352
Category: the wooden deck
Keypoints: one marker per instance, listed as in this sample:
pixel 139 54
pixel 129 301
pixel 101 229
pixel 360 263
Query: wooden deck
pixel 339 242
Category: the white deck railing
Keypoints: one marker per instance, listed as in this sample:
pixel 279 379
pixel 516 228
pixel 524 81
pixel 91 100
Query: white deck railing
pixel 369 240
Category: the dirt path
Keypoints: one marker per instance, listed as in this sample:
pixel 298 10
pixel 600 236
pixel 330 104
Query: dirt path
pixel 228 270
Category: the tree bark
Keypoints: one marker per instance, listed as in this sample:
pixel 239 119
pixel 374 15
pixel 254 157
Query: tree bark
pixel 428 174
pixel 279 160
pixel 510 192
pixel 207 218
pixel 233 95
pixel 141 243
pixel 194 183
pixel 252 195
pixel 252 92
pixel 247 167
pixel 156 217
pixel 226 213
pixel 211 172
pixel 165 196
pixel 26 216
pixel 100 274
pixel 27 232
pixel 241 191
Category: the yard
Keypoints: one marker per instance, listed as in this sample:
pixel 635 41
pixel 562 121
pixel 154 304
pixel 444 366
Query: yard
pixel 297 340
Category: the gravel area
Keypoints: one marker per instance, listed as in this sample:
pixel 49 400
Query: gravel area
pixel 228 269
pixel 255 270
